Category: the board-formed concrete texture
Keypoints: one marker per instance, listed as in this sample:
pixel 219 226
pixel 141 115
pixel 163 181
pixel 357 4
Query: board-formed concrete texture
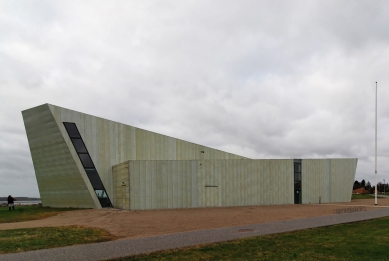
pixel 153 184
pixel 327 180
pixel 140 169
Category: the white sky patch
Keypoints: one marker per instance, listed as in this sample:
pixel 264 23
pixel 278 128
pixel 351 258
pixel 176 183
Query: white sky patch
pixel 262 79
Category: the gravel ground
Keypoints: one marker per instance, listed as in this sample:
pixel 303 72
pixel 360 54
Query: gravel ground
pixel 133 246
pixel 136 224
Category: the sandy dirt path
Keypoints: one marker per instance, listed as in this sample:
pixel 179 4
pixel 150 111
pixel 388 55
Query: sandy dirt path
pixel 124 223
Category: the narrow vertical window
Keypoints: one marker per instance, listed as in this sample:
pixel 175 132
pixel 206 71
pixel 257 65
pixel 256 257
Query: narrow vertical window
pixel 297 181
pixel 87 162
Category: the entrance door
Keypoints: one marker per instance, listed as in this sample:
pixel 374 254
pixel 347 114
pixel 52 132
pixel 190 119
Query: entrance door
pixel 297 193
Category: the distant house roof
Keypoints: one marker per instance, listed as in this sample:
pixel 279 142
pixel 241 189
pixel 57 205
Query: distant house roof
pixel 360 191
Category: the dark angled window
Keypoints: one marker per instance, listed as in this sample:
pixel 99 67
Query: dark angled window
pixel 79 146
pixel 94 178
pixel 87 162
pixel 72 130
pixel 101 193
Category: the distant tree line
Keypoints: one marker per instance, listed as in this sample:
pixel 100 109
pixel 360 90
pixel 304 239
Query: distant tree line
pixel 381 187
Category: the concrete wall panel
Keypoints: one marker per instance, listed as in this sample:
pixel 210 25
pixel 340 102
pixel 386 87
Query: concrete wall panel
pixel 327 180
pixel 204 183
pixel 61 178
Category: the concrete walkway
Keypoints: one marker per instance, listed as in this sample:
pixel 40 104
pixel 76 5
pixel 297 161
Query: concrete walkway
pixel 127 247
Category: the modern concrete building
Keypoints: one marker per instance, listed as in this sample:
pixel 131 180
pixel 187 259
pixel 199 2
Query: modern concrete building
pixel 88 162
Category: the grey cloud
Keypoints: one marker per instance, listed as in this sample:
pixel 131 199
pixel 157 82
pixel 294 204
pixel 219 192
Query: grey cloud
pixel 262 79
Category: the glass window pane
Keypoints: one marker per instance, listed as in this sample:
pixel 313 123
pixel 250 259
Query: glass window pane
pixel 86 160
pixel 94 179
pixel 72 130
pixel 297 167
pixel 100 193
pixel 297 176
pixel 79 146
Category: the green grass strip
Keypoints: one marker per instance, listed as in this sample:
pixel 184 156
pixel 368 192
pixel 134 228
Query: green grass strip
pixel 367 240
pixel 26 213
pixel 362 196
pixel 20 240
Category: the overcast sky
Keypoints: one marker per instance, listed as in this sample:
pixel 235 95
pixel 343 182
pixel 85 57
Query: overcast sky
pixel 263 79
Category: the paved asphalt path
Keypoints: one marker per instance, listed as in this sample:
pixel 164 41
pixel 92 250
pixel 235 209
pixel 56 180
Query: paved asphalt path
pixel 127 247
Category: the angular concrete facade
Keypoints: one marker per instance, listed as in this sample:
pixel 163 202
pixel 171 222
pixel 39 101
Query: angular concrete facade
pixel 80 159
pixel 61 177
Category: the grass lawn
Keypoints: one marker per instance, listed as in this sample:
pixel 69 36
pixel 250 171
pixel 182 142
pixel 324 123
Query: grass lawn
pixel 367 240
pixel 25 213
pixel 19 240
pixel 362 196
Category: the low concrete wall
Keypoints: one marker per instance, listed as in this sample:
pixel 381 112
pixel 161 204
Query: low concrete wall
pixel 165 184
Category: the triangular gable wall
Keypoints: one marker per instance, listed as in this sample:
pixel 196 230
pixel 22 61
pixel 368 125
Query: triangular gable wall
pixel 59 177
